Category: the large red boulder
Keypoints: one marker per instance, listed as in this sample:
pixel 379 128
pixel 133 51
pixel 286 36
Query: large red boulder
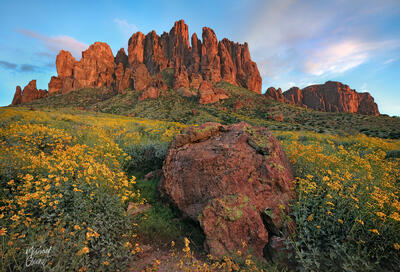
pixel 225 177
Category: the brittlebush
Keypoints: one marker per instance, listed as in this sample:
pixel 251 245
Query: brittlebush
pixel 347 207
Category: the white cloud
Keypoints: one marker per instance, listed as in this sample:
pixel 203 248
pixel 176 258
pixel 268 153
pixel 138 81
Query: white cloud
pixel 338 57
pixel 126 28
pixel 390 60
pixel 57 43
pixel 325 38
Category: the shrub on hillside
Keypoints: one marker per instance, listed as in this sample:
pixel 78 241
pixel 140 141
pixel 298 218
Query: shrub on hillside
pixel 145 157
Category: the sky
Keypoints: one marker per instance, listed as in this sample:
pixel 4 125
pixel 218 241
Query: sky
pixel 294 43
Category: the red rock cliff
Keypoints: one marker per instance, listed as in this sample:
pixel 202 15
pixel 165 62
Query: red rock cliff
pixel 150 54
pixel 332 97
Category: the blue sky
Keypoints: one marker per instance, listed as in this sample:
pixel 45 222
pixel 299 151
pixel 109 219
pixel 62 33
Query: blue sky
pixel 295 43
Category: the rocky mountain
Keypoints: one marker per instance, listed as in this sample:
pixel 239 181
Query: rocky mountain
pixel 330 97
pixel 333 97
pixel 207 60
pixel 193 68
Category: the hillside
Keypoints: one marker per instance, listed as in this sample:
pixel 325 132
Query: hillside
pixel 242 105
pixel 347 195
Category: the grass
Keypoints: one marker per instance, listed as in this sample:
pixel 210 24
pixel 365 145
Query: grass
pixel 256 110
pixel 83 164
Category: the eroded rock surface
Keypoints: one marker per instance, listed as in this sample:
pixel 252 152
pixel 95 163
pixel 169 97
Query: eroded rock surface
pixel 225 177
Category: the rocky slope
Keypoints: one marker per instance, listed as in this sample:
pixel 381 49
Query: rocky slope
pixel 330 97
pixel 209 61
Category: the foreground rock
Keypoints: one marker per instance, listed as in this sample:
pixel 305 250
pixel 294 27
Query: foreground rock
pixel 225 177
pixel 332 97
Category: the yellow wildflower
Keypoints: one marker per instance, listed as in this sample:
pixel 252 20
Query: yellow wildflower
pixel 3 231
pixel 374 231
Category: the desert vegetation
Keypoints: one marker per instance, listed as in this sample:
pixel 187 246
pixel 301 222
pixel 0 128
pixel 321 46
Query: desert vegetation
pixel 68 176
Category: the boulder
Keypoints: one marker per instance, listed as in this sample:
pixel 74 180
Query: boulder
pixel 149 93
pixel 225 177
pixel 185 92
pixel 208 94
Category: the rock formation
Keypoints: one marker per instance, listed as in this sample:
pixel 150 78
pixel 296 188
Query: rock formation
pixel 17 96
pixel 209 95
pixel 29 94
pixel 226 177
pixel 209 60
pixel 274 94
pixel 332 97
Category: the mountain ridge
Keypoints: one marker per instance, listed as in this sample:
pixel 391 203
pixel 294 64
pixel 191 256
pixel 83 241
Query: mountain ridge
pixel 194 68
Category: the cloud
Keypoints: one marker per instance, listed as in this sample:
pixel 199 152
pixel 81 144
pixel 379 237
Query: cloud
pixel 7 65
pixel 325 37
pixel 56 43
pixel 23 68
pixel 29 68
pixel 126 28
pixel 338 57
pixel 390 60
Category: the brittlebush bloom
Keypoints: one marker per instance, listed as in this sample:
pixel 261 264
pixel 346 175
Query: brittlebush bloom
pixel 3 231
pixel 310 217
pixel 340 221
pixel 84 250
pixel 374 231
pixel 396 246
